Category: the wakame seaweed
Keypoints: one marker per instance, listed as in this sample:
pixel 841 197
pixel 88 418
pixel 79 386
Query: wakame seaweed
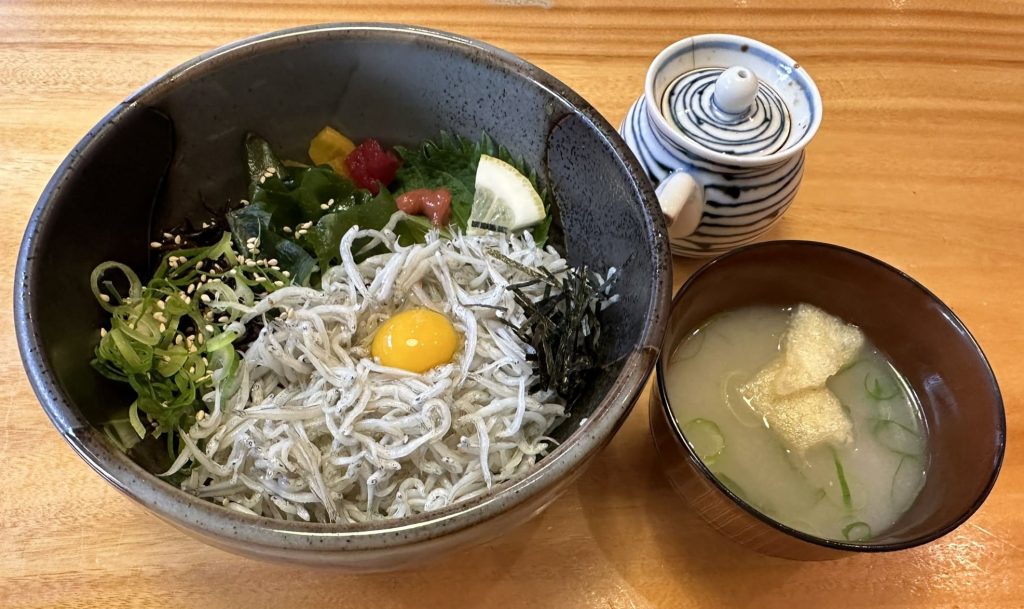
pixel 297 215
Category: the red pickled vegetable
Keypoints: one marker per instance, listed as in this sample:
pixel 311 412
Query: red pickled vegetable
pixel 435 204
pixel 371 166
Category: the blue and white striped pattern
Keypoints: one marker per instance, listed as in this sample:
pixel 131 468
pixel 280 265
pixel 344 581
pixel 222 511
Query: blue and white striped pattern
pixel 741 203
pixel 689 104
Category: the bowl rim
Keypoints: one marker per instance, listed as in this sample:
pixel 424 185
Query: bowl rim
pixel 848 546
pixel 184 509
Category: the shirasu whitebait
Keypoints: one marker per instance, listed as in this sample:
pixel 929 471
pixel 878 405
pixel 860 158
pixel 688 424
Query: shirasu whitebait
pixel 315 429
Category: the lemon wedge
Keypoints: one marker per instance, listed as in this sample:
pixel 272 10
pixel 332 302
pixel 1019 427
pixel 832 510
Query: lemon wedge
pixel 505 201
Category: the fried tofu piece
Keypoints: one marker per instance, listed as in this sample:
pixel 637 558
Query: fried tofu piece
pixel 816 346
pixel 801 420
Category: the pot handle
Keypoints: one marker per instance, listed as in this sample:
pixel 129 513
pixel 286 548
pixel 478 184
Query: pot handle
pixel 682 201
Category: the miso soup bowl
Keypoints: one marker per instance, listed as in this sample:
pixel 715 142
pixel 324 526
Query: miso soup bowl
pixel 175 147
pixel 925 341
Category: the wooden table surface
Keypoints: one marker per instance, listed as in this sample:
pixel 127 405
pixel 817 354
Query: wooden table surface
pixel 919 161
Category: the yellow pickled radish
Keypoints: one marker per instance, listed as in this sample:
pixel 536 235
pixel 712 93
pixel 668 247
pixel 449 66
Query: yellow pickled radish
pixel 330 147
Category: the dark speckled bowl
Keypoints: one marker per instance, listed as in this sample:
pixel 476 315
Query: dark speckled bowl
pixel 175 147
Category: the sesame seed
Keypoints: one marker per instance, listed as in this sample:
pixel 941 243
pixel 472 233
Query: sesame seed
pixel 272 261
pixel 177 239
pixel 258 277
pixel 161 305
pixel 168 236
pixel 192 349
pixel 223 319
pixel 271 170
pixel 324 206
pixel 159 316
pixel 279 283
pixel 103 332
pixel 206 225
pixel 330 201
pixel 199 265
pixel 104 298
pixel 163 327
pixel 286 273
pixel 286 229
pixel 191 288
pixel 200 339
pixel 240 258
pixel 177 339
pixel 205 362
pixel 205 298
pixel 208 328
pixel 200 415
pixel 275 268
pixel 263 179
pixel 155 245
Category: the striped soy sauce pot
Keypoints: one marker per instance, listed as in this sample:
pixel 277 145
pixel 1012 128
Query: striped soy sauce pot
pixel 721 130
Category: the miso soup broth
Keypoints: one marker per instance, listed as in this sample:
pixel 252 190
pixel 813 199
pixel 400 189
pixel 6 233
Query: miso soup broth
pixel 849 485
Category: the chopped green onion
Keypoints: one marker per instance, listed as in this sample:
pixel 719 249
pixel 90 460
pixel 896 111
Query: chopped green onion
pixel 121 433
pixel 897 437
pixel 134 285
pixel 843 486
pixel 706 439
pixel 880 388
pixel 164 335
pixel 133 418
pixel 857 531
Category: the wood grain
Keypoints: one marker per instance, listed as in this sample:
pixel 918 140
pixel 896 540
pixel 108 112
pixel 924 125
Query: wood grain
pixel 920 161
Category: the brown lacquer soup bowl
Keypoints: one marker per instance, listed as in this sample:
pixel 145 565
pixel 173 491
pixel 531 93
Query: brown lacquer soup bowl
pixel 924 340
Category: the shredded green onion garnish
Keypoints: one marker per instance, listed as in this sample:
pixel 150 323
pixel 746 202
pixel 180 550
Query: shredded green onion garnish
pixel 168 338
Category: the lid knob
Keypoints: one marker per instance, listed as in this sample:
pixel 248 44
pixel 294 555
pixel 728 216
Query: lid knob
pixel 735 90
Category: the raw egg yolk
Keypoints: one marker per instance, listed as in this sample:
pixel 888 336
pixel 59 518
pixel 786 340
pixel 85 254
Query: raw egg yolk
pixel 415 340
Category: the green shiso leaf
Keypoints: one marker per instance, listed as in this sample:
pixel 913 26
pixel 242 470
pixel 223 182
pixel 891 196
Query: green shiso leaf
pixel 450 162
